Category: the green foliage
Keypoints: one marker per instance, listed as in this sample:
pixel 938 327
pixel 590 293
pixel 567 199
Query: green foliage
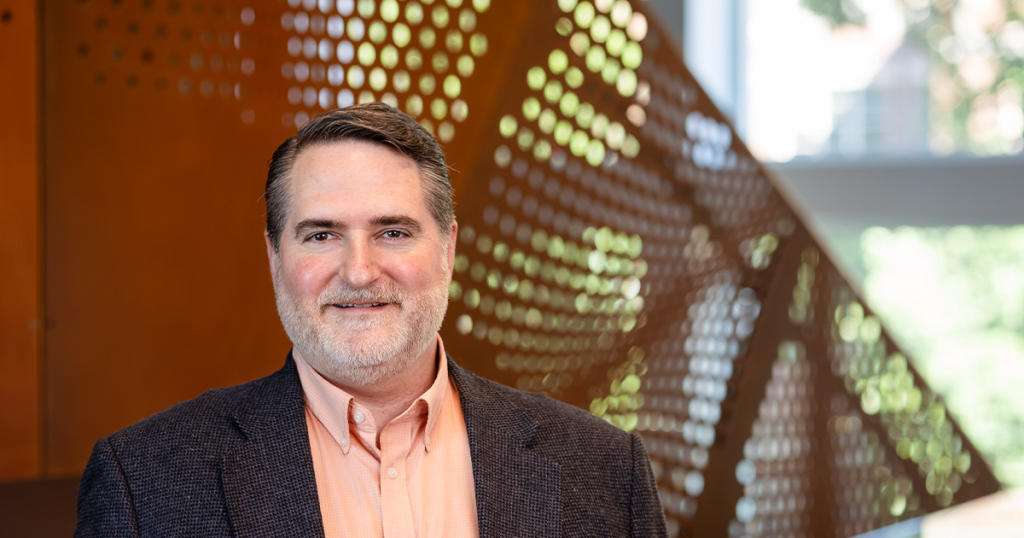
pixel 977 79
pixel 954 299
pixel 836 12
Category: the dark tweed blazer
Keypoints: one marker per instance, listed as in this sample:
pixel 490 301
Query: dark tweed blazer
pixel 236 462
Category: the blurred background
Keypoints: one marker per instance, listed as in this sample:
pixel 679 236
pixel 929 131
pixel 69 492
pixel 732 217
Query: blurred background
pixel 721 169
pixel 898 123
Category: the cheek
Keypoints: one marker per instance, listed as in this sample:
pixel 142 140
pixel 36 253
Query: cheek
pixel 416 272
pixel 307 277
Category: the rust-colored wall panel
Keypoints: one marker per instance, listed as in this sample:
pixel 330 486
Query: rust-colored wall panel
pixel 20 225
pixel 159 281
pixel 491 71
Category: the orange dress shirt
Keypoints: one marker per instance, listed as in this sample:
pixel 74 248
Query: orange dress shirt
pixel 418 484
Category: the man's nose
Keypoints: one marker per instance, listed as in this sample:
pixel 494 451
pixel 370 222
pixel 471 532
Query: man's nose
pixel 360 266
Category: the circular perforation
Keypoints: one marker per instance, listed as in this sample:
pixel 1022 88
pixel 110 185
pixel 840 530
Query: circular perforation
pixel 202 51
pixel 413 56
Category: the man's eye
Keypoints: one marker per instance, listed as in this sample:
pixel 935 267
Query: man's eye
pixel 394 234
pixel 320 236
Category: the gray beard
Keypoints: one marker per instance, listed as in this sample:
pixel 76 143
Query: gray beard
pixel 342 352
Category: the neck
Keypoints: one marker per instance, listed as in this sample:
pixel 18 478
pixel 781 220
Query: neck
pixel 390 397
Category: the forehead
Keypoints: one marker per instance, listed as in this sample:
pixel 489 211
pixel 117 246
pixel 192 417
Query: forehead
pixel 353 174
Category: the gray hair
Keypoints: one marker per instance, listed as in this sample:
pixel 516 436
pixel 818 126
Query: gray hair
pixel 376 123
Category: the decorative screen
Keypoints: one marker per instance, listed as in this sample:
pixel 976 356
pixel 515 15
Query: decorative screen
pixel 619 248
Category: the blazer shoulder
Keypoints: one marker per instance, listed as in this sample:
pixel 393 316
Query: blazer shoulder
pixel 209 414
pixel 542 409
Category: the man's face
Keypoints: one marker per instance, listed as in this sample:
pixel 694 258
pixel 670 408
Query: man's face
pixel 361 275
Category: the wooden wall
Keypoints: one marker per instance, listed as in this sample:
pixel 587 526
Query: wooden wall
pixel 21 233
pixel 136 136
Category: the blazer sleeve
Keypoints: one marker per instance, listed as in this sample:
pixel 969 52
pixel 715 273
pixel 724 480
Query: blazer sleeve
pixel 105 507
pixel 646 515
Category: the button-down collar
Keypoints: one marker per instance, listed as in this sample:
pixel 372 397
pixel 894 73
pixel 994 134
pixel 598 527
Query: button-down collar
pixel 339 412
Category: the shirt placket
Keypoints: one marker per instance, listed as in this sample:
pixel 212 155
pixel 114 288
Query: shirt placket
pixel 396 508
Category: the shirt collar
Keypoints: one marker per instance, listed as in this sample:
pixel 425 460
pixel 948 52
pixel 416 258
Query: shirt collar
pixel 332 405
pixel 435 395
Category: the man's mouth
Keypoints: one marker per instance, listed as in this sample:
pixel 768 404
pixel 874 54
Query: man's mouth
pixel 361 305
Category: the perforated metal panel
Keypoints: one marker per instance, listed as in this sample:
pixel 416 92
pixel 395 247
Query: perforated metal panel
pixel 619 247
pixel 590 163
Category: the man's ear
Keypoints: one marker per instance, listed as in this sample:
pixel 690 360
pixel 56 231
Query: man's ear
pixel 271 257
pixel 452 236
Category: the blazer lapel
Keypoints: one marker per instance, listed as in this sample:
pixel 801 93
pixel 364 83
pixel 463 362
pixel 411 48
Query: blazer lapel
pixel 518 493
pixel 268 480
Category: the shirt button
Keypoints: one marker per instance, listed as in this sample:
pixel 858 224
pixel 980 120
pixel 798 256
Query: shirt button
pixel 344 441
pixel 358 417
pixel 392 473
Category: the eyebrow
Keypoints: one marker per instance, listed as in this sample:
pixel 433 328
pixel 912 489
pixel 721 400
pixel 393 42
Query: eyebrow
pixel 381 220
pixel 397 220
pixel 317 224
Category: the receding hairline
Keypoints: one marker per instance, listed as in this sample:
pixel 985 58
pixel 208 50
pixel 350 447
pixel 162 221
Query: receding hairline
pixel 314 144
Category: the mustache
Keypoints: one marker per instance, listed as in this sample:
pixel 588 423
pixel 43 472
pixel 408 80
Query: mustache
pixel 378 292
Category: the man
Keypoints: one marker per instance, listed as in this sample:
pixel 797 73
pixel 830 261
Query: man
pixel 368 429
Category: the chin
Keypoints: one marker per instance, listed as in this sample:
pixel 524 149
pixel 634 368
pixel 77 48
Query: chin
pixel 369 350
pixel 362 364
pixel 366 355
